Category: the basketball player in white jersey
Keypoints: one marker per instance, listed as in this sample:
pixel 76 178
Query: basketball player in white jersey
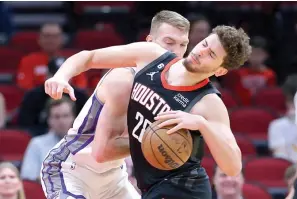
pixel 69 170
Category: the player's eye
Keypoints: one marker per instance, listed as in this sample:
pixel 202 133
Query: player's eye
pixel 205 44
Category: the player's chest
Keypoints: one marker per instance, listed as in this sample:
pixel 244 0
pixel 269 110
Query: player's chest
pixel 154 99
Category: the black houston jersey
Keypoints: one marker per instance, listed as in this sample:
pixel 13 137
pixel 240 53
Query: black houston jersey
pixel 150 96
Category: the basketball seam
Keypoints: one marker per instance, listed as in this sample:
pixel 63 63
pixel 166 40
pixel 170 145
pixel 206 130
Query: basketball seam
pixel 185 137
pixel 154 152
pixel 166 144
pixel 144 136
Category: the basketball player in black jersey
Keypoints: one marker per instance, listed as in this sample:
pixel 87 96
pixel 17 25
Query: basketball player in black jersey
pixel 175 91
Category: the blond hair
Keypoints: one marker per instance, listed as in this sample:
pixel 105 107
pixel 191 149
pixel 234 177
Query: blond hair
pixel 4 165
pixel 169 17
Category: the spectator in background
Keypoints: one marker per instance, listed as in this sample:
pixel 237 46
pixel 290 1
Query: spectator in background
pixel 292 194
pixel 200 29
pixel 282 136
pixel 61 114
pixel 32 113
pixel 227 187
pixel 10 183
pixel 257 75
pixel 6 25
pixel 290 176
pixel 33 68
pixel 2 112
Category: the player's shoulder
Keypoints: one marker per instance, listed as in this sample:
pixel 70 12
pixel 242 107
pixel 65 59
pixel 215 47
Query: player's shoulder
pixel 145 44
pixel 211 99
pixel 118 76
pixel 209 105
pixel 116 84
pixel 148 49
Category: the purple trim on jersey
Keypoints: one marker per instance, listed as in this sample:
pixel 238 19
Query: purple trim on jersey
pixel 65 189
pixel 50 167
pixel 61 148
pixel 80 130
pixel 92 129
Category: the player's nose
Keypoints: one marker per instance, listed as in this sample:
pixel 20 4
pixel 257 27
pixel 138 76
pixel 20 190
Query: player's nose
pixel 203 52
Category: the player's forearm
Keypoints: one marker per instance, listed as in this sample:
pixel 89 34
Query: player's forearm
pixel 116 148
pixel 223 147
pixel 75 65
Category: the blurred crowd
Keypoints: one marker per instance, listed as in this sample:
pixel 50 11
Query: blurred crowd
pixel 259 96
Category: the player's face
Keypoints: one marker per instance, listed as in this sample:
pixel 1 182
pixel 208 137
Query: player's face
pixel 207 57
pixel 61 118
pixel 171 38
pixel 10 184
pixel 227 185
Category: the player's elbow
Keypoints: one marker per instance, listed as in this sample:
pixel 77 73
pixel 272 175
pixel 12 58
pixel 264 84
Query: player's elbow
pixel 102 155
pixel 235 169
pixel 87 55
pixel 99 157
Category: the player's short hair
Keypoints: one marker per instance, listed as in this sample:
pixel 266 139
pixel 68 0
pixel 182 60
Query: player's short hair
pixel 52 103
pixel 172 18
pixel 236 44
pixel 290 172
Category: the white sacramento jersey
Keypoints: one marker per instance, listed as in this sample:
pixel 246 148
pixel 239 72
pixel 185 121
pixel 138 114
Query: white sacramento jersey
pixel 76 145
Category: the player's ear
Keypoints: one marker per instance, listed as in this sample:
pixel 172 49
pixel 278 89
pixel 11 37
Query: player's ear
pixel 221 71
pixel 149 38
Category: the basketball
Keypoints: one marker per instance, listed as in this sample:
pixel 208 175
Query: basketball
pixel 163 151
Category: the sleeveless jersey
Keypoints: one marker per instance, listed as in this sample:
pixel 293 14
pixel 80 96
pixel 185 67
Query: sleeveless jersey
pixel 78 140
pixel 150 96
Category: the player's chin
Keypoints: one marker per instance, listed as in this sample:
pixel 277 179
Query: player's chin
pixel 190 68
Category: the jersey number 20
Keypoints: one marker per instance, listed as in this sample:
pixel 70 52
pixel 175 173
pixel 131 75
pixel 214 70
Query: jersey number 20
pixel 143 124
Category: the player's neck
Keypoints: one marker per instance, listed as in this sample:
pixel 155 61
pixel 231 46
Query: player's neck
pixel 178 75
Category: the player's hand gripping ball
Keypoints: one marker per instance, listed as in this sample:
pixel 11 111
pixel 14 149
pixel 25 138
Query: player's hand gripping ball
pixel 166 151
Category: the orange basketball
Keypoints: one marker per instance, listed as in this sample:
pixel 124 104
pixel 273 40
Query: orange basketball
pixel 163 151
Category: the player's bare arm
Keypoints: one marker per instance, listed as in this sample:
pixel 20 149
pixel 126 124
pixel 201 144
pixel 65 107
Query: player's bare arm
pixel 110 142
pixel 136 54
pixel 211 118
